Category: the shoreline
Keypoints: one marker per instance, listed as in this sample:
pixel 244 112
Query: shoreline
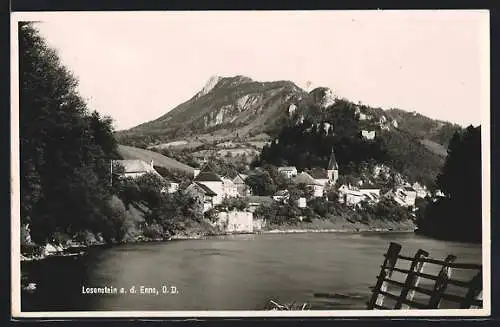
pixel 333 230
pixel 80 250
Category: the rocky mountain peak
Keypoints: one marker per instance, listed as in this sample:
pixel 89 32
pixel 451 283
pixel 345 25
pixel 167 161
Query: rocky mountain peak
pixel 209 85
pixel 323 96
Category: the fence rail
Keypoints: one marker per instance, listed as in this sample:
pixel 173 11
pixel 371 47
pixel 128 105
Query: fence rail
pixel 402 293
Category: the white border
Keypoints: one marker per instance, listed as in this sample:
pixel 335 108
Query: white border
pixel 15 205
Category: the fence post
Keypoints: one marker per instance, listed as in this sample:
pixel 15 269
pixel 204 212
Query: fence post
pixel 441 282
pixel 475 289
pixel 386 272
pixel 412 279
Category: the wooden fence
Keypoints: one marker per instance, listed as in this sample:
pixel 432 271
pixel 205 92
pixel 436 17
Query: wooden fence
pixel 389 293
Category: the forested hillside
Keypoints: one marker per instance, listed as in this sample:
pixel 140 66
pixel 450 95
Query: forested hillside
pixel 308 142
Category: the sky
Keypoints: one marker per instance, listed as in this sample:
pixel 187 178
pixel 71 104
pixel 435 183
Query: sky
pixel 137 66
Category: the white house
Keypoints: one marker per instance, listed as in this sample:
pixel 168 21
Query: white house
pixel 301 202
pixel 368 135
pixel 204 196
pixel 350 195
pixel 214 182
pixel 318 188
pixel 422 191
pixel 241 187
pixel 229 188
pixel 171 188
pixel 439 194
pixel 134 168
pixel 288 171
pixel 372 195
pixel 407 194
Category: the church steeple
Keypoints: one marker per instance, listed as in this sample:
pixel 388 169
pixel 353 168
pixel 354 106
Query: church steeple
pixel 332 163
pixel 333 168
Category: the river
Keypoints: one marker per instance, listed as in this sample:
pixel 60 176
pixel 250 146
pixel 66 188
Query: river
pixel 239 272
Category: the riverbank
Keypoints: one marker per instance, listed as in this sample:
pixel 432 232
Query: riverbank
pixel 40 252
pixel 342 225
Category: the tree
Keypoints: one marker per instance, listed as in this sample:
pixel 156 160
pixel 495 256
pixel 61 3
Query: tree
pixel 458 215
pixel 261 183
pixel 64 150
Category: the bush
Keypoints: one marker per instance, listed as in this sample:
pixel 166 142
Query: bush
pixel 153 231
pixel 229 204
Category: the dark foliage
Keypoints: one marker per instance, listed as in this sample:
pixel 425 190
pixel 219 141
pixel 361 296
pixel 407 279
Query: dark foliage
pixel 308 144
pixel 65 150
pixel 458 215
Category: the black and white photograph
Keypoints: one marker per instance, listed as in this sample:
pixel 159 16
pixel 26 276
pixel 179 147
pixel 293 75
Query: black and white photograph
pixel 331 163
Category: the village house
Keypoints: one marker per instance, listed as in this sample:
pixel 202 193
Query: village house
pixel 318 188
pixel 213 182
pixel 350 195
pixel 134 168
pixel 407 194
pixel 422 191
pixel 205 198
pixel 326 176
pixel 172 187
pixel 241 187
pixel 320 175
pixel 439 194
pixel 368 135
pixel 288 171
pixel 301 202
pixel 371 194
pixel 229 188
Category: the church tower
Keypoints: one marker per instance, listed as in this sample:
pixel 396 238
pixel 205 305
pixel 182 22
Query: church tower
pixel 333 168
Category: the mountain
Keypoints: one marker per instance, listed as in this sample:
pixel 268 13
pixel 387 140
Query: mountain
pixel 239 107
pixel 249 114
pixel 229 106
pixel 435 134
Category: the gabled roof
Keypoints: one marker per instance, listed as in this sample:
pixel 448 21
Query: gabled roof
pixel 318 173
pixel 305 178
pixel 226 180
pixel 134 166
pixel 240 179
pixel 206 189
pixel 207 176
pixel 332 163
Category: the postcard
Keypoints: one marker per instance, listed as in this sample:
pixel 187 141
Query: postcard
pixel 250 163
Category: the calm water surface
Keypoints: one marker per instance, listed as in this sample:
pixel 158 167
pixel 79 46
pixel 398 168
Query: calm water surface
pixel 240 272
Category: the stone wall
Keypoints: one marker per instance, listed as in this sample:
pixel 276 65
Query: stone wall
pixel 236 221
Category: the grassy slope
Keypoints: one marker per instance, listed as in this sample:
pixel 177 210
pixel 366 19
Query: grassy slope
pixel 129 152
pixel 435 148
